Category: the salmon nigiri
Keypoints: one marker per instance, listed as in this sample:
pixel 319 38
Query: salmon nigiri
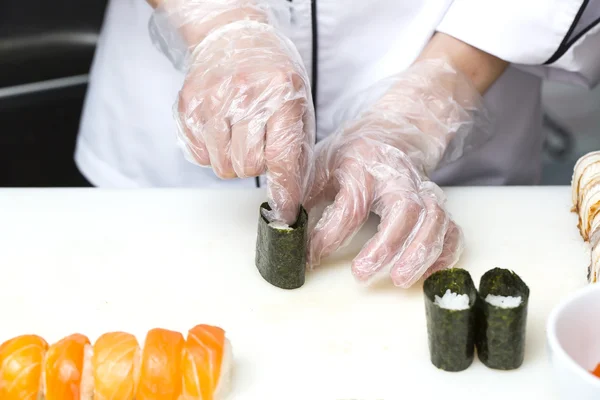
pixel 111 367
pixel 21 360
pixel 160 367
pixel 63 368
pixel 206 363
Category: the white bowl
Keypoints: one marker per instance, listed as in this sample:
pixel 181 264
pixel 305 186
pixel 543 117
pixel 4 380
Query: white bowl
pixel 573 335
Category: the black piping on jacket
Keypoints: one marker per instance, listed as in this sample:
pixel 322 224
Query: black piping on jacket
pixel 567 41
pixel 315 53
pixel 315 60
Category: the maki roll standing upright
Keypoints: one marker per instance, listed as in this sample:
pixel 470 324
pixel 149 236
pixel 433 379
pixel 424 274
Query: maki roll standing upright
pixel 450 297
pixel 281 250
pixel 501 319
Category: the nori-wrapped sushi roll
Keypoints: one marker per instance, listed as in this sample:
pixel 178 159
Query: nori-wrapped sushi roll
pixel 450 297
pixel 281 252
pixel 501 319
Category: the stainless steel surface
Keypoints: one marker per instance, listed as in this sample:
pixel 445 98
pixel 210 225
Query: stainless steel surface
pixel 52 84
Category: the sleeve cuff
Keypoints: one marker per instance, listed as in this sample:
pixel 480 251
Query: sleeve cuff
pixel 524 31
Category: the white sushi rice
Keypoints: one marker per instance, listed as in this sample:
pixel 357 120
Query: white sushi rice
pixel 87 374
pixel 275 224
pixel 224 384
pixel 280 226
pixel 452 301
pixel 503 301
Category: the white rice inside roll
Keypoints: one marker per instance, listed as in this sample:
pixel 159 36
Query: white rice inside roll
pixel 503 301
pixel 282 226
pixel 452 301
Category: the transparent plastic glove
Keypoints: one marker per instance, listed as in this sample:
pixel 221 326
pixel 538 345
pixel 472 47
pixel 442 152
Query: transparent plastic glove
pixel 379 162
pixel 245 107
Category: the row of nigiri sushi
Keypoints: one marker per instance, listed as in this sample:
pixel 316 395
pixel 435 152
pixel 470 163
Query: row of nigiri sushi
pixel 168 366
pixel 585 187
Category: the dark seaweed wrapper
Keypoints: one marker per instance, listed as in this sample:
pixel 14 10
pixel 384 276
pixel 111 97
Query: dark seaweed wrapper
pixel 281 253
pixel 451 333
pixel 500 334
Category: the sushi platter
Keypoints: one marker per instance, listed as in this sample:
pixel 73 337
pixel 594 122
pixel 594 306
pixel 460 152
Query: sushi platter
pixel 95 261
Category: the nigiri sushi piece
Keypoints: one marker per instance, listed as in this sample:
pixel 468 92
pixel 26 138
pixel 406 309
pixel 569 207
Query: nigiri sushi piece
pixel 63 368
pixel 21 360
pixel 207 360
pixel 160 366
pixel 111 367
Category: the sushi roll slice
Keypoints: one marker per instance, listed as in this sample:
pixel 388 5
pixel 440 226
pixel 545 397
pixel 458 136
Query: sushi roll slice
pixel 63 368
pixel 501 319
pixel 594 267
pixel 21 361
pixel 111 367
pixel 207 364
pixel 586 167
pixel 585 188
pixel 590 206
pixel 281 250
pixel 450 297
pixel 160 367
pixel 586 202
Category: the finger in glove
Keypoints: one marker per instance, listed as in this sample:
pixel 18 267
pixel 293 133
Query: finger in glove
pixel 425 247
pixel 247 150
pixel 286 157
pixel 193 146
pixel 348 213
pixel 402 212
pixel 453 248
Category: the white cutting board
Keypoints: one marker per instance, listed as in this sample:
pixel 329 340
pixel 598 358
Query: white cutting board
pixel 93 261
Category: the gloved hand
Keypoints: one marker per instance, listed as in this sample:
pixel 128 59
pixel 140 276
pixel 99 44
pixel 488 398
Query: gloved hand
pixel 245 107
pixel 380 161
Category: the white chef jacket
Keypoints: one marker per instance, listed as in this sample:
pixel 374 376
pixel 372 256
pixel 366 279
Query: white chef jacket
pixel 127 134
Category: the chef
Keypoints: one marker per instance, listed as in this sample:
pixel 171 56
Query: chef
pixel 368 104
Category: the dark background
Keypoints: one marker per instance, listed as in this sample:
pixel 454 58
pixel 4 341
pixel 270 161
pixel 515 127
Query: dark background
pixel 44 42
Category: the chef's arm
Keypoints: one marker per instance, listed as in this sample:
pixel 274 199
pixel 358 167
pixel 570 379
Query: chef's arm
pixel 439 108
pixel 195 19
pixel 554 39
pixel 482 68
